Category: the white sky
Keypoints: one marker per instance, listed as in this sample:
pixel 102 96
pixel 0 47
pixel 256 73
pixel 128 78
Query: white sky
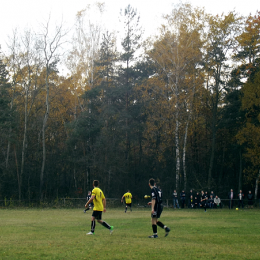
pixel 30 13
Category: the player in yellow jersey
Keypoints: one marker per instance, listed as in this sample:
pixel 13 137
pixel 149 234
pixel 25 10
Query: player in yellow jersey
pixel 99 201
pixel 128 200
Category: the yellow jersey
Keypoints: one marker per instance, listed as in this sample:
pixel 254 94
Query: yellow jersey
pixel 98 200
pixel 128 197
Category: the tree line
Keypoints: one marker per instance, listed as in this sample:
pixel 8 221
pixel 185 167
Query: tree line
pixel 181 106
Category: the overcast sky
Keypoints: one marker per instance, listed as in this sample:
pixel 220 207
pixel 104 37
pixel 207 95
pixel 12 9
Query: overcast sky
pixel 30 13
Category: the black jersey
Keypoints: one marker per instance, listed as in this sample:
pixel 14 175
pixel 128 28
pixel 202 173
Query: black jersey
pixel 88 198
pixel 156 194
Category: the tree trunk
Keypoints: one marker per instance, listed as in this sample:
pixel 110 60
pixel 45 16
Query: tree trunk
pixel 185 139
pixel 43 134
pixel 17 171
pixel 240 171
pixel 7 154
pixel 184 154
pixel 256 185
pixel 24 144
pixel 177 144
pixel 214 128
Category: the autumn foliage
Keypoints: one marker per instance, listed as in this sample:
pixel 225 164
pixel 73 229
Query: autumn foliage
pixel 182 107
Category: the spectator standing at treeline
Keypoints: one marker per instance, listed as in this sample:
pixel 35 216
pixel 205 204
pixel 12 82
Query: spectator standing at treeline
pixel 183 198
pixel 191 194
pixel 175 199
pixel 241 199
pixel 191 202
pixel 211 202
pixel 250 199
pixel 203 200
pixel 231 199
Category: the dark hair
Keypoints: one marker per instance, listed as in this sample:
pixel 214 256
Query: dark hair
pixel 95 183
pixel 152 182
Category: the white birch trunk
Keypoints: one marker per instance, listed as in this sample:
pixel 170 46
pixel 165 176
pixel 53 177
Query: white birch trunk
pixel 177 153
pixel 184 153
pixel 177 143
pixel 256 185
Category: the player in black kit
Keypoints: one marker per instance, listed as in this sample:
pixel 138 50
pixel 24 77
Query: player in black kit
pixel 157 208
pixel 90 204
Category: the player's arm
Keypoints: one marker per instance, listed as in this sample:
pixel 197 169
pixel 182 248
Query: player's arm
pixel 122 198
pixel 104 204
pixel 90 200
pixel 150 202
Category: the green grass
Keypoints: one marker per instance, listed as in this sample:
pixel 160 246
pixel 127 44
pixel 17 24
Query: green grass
pixel 195 234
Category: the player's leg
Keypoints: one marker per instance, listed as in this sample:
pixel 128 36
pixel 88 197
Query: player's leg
pixel 154 227
pixel 125 208
pixel 93 225
pixel 105 224
pixel 160 224
pixel 86 209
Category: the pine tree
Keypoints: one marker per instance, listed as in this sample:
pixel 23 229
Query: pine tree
pixel 6 113
pixel 4 98
pixel 127 73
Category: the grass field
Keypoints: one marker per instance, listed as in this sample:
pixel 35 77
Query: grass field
pixel 195 234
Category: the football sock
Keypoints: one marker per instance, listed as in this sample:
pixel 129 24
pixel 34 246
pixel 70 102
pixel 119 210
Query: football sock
pixel 93 225
pixel 160 224
pixel 105 225
pixel 154 229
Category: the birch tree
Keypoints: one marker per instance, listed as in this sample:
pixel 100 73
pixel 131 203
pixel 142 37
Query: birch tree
pixel 85 47
pixel 177 53
pixel 25 65
pixel 50 45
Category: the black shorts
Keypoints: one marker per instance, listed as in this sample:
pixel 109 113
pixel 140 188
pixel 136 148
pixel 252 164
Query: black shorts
pixel 97 214
pixel 158 212
pixel 129 204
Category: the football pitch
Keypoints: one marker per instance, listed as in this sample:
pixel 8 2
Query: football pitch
pixel 195 234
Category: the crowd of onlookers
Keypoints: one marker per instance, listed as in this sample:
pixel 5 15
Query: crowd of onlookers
pixel 210 200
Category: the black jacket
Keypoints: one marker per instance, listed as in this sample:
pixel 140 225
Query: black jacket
pixel 182 195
